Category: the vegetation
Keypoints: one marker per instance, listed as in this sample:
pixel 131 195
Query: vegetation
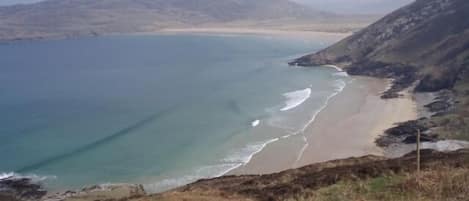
pixel 431 185
pixel 444 176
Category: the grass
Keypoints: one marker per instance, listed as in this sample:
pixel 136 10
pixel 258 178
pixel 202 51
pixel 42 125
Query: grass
pixel 435 185
pixel 455 125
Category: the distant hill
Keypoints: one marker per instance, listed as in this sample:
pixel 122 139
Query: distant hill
pixel 428 38
pixel 53 18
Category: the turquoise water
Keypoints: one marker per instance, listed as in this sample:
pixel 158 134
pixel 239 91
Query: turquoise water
pixel 158 110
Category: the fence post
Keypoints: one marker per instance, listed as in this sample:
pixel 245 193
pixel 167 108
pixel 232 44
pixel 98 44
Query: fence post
pixel 418 152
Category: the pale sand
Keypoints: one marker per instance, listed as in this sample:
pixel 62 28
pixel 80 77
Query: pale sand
pixel 227 31
pixel 347 127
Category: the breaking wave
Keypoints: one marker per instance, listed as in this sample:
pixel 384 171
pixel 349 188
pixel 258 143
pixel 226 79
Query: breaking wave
pixel 296 98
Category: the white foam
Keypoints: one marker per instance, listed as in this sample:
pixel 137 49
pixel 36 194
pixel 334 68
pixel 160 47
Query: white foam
pixel 341 74
pixel 245 155
pixel 235 160
pixel 339 87
pixel 340 71
pixel 255 123
pixel 204 172
pixel 302 151
pixel 296 98
pixel 334 67
pixel 33 177
pixel 6 175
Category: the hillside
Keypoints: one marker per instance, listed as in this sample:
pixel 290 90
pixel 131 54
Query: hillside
pixel 429 37
pixel 364 178
pixel 67 18
pixel 425 43
pixel 444 176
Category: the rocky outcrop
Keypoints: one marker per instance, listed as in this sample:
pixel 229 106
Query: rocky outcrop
pixel 20 188
pixel 406 133
pixel 15 188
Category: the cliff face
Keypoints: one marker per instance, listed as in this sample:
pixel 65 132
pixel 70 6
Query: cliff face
pixel 427 40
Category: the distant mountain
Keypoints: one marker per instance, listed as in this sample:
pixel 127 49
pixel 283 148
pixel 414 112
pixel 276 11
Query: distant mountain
pixel 80 17
pixel 427 40
pixel 356 6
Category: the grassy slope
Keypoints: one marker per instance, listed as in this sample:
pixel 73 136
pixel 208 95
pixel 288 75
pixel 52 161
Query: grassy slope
pixel 444 177
pixel 439 184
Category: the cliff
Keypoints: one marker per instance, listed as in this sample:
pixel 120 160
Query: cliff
pixel 427 40
pixel 424 44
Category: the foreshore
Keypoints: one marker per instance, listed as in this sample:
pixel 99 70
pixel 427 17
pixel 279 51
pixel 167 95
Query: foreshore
pixel 327 37
pixel 347 127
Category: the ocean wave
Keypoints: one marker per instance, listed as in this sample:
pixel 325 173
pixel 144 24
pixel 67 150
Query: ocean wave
pixel 340 71
pixel 204 172
pixel 33 177
pixel 296 98
pixel 235 160
pixel 255 123
pixel 245 155
pixel 341 74
pixel 334 67
pixel 6 175
pixel 339 86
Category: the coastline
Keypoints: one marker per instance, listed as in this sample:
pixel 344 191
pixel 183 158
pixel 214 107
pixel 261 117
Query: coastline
pixel 325 35
pixel 346 127
pixel 328 37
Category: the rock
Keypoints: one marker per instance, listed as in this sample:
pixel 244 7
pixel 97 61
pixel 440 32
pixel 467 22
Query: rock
pixel 20 189
pixel 406 129
pixel 431 83
pixel 438 106
pixel 100 192
pixel 423 138
pixel 406 133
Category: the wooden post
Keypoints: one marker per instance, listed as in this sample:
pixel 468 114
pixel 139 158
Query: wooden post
pixel 418 152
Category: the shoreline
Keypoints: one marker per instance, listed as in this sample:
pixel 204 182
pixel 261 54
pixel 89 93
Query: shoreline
pixel 328 36
pixel 233 31
pixel 356 116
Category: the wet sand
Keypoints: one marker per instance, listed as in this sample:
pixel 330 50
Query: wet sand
pixel 347 127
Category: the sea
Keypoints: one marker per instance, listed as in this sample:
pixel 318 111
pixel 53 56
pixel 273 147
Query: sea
pixel 160 110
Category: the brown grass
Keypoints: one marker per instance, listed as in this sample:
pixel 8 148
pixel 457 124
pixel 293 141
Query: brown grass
pixel 445 184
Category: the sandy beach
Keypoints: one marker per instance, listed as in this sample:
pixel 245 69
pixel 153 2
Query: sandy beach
pixel 328 37
pixel 347 127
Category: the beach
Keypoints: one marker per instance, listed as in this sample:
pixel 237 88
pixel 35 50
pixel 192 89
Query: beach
pixel 325 36
pixel 346 127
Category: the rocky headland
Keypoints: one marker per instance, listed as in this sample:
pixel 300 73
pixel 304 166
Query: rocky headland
pixel 424 48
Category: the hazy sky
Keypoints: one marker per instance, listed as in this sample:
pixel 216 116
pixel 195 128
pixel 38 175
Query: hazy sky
pixel 9 2
pixel 339 6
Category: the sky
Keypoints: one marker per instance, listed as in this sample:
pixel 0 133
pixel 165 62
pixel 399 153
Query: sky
pixel 11 2
pixel 338 6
